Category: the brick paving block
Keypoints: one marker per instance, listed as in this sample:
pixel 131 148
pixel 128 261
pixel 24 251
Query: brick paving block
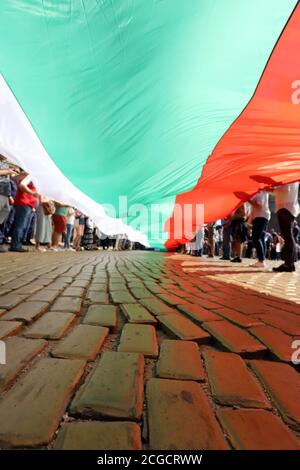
pixel 95 286
pixel 44 295
pixel 139 338
pixel 52 325
pixel 197 313
pixel 136 285
pixel 180 417
pixel 155 288
pixel 234 339
pixel 180 360
pixel 177 326
pixel 136 313
pixel 84 342
pixel 114 388
pixel 206 304
pixel 284 322
pixel 2 311
pixel 29 288
pixel 140 293
pixel 279 344
pixel 85 277
pixel 65 279
pixel 30 412
pixel 283 384
pixel 19 352
pixel 80 283
pixel 57 285
pixel 157 307
pixel 102 315
pixel 8 328
pixel 99 435
pixel 287 307
pixel 26 311
pixel 122 297
pixel 240 319
pixel 117 286
pixel 67 304
pixel 231 383
pixel 10 300
pixel 257 430
pixel 171 299
pixel 73 292
pixel 97 297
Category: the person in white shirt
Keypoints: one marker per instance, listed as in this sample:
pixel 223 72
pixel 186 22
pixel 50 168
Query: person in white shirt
pixel 199 241
pixel 287 209
pixel 260 216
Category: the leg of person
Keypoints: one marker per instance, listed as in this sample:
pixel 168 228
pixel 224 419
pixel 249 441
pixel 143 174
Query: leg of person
pixel 226 243
pixel 7 226
pixel 22 216
pixel 258 237
pixel 26 229
pixel 285 220
pixel 4 208
pixel 31 229
pixel 68 236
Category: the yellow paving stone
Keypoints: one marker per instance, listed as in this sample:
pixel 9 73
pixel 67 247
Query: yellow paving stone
pixel 84 342
pixel 136 313
pixel 19 351
pixel 102 315
pixel 139 338
pixel 52 325
pixel 30 412
pixel 99 435
pixel 180 360
pixel 8 328
pixel 113 389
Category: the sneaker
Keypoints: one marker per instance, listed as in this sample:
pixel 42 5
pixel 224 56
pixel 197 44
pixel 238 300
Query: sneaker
pixel 224 259
pixel 236 260
pixel 258 264
pixel 284 268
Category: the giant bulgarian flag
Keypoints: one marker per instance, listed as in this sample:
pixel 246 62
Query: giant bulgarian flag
pixel 114 106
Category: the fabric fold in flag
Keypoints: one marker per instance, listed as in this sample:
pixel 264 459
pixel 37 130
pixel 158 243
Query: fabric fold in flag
pixel 19 143
pixel 261 149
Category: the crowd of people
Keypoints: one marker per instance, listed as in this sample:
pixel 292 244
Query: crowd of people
pixel 29 218
pixel 246 232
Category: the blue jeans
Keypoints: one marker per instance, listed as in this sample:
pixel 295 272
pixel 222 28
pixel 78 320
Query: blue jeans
pixel 226 242
pixel 68 235
pixel 29 229
pixel 259 228
pixel 22 217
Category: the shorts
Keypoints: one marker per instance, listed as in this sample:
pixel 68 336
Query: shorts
pixel 239 231
pixel 60 223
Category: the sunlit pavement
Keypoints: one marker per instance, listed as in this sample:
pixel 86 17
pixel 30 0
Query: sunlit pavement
pixel 137 350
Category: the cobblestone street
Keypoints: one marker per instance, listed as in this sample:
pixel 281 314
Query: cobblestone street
pixel 142 350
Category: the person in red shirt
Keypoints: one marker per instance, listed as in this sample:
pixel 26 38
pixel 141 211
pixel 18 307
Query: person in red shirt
pixel 25 201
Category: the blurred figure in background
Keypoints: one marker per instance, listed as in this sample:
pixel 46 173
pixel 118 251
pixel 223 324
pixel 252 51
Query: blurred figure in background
pixel 260 215
pixel 70 228
pixel 59 219
pixel 44 212
pixel 26 200
pixel 287 209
